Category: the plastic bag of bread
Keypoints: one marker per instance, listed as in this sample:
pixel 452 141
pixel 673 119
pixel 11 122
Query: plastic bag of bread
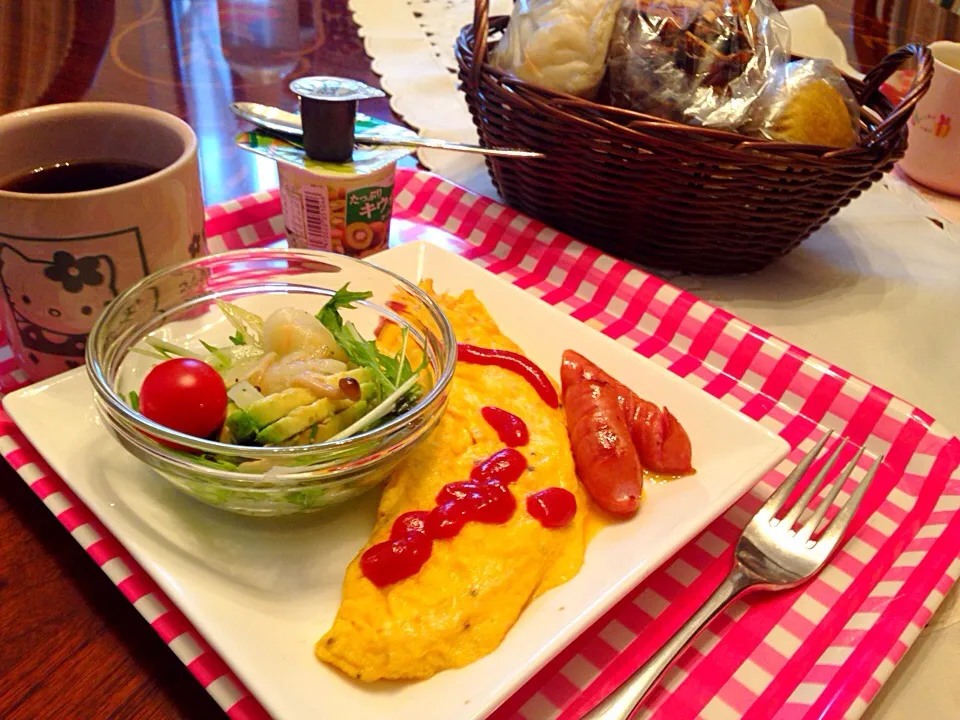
pixel 700 62
pixel 559 45
pixel 808 101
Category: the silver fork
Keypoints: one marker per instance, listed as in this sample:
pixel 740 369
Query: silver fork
pixel 769 556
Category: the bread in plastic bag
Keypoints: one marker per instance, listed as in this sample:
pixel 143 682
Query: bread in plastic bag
pixel 558 45
pixel 694 61
pixel 808 101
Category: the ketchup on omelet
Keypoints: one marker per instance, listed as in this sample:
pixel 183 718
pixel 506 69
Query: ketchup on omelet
pixel 514 362
pixel 484 498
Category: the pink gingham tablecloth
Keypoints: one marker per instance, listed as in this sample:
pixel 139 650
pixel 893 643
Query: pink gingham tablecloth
pixel 819 651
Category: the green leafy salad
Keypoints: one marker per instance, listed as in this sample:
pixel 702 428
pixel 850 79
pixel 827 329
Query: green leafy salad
pixel 288 379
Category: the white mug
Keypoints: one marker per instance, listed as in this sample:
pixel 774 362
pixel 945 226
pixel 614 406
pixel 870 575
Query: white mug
pixel 64 256
pixel 933 145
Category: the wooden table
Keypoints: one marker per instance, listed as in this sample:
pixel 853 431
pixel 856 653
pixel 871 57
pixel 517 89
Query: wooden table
pixel 70 644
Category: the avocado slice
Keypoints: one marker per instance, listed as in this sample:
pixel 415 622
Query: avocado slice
pixel 245 424
pixel 225 435
pixel 306 416
pixel 277 405
pixel 360 374
pixel 331 426
pixel 241 426
pixel 316 433
pixel 299 419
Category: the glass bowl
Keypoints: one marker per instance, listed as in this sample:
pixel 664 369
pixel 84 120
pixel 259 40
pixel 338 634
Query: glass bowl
pixel 178 305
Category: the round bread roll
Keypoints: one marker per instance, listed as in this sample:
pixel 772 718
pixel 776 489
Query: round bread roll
pixel 814 113
pixel 559 45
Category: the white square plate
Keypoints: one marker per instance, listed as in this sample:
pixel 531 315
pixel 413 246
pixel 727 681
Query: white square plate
pixel 263 591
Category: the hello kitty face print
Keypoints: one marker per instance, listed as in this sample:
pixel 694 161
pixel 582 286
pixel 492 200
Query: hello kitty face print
pixel 54 290
pixel 55 301
pixel 61 296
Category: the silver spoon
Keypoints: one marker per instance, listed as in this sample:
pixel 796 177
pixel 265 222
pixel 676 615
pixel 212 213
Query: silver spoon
pixel 280 121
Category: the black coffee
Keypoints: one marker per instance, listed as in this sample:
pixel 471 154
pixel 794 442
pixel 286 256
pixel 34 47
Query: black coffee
pixel 78 177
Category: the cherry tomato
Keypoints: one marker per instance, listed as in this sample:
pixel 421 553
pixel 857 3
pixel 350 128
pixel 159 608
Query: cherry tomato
pixel 185 395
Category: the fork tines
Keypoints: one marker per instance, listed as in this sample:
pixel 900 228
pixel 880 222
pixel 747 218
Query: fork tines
pixel 839 523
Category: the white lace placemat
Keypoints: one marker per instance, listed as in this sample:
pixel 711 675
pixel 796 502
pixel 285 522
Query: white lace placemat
pixel 442 20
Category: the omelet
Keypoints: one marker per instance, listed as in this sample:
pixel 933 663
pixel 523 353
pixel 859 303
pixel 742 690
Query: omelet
pixel 459 606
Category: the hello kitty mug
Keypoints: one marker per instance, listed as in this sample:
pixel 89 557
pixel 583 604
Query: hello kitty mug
pixel 65 252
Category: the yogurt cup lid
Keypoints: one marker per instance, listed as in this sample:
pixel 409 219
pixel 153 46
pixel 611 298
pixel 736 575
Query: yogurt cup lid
pixel 334 89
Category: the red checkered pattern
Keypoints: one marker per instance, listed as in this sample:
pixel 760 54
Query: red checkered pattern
pixel 820 651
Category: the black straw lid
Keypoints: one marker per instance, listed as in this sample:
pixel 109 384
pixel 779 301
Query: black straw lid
pixel 328 110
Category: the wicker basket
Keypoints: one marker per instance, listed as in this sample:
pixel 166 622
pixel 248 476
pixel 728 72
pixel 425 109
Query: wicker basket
pixel 669 195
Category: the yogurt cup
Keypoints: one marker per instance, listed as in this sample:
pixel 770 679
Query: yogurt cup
pixel 335 207
pixel 348 214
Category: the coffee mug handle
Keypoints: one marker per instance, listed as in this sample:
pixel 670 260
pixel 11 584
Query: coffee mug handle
pixel 874 79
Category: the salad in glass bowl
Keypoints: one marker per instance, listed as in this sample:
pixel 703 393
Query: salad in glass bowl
pixel 254 383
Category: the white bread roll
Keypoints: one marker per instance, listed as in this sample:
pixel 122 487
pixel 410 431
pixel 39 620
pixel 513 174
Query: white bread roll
pixel 559 45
